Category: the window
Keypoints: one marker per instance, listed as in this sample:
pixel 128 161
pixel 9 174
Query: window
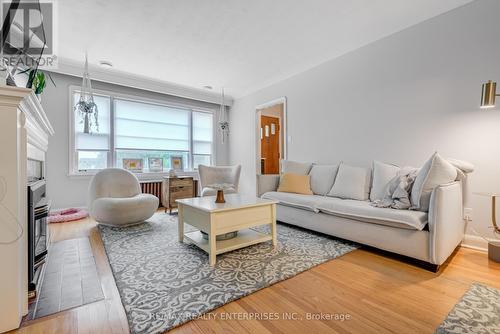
pixel 92 150
pixel 130 128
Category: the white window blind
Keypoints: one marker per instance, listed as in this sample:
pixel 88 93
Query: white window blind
pixel 202 138
pixel 92 150
pixel 144 126
pixel 98 140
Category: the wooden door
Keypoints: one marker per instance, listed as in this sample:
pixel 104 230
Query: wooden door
pixel 270 145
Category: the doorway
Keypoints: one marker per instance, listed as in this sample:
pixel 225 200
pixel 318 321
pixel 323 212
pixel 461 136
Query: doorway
pixel 270 134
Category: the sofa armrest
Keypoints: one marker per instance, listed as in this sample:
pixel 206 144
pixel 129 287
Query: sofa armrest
pixel 267 182
pixel 446 223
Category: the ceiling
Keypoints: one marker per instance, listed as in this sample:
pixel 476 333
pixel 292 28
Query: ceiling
pixel 238 44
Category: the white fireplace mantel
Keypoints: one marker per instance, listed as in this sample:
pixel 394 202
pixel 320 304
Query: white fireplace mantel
pixel 24 132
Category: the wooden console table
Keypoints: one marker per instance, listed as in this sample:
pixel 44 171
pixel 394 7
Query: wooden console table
pixel 175 188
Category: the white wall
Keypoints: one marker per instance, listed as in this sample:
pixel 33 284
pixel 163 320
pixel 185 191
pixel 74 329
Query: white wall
pixel 71 191
pixel 396 100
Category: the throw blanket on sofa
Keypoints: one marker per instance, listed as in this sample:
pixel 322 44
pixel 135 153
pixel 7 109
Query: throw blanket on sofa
pixel 397 192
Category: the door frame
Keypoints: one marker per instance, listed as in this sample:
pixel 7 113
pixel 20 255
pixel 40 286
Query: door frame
pixel 283 127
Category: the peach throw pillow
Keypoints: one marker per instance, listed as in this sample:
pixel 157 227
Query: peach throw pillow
pixel 295 183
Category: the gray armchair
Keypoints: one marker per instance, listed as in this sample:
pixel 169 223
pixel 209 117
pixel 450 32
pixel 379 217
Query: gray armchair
pixel 219 175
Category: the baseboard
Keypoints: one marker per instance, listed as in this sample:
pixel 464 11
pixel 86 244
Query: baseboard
pixel 474 242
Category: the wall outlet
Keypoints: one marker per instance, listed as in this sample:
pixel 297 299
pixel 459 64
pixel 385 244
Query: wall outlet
pixel 468 214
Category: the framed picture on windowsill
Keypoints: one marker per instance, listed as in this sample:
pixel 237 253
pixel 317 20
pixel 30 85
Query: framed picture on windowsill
pixel 155 165
pixel 133 165
pixel 177 163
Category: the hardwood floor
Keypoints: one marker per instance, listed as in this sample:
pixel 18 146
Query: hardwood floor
pixel 378 293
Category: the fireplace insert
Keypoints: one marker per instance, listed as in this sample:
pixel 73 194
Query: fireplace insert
pixel 38 234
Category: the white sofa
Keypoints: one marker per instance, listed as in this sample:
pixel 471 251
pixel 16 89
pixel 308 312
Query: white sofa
pixel 430 237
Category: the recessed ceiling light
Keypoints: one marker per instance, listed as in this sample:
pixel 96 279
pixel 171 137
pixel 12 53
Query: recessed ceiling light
pixel 105 63
pixel 208 87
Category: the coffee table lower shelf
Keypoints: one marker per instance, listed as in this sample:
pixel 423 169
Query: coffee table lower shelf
pixel 245 238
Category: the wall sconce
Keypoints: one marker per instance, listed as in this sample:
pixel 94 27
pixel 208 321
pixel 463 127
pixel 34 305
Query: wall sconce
pixel 488 95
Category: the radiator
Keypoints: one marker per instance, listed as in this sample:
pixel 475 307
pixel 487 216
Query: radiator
pixel 153 188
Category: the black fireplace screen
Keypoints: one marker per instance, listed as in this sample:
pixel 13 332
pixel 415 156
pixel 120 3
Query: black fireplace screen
pixel 38 238
pixel 40 229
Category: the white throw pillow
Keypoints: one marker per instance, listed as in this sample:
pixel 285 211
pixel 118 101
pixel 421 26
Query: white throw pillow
pixel 464 166
pixel 322 178
pixel 351 183
pixel 294 167
pixel 382 174
pixel 434 172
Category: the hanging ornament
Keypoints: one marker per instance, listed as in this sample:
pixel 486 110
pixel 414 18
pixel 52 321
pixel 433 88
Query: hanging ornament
pixel 86 107
pixel 223 123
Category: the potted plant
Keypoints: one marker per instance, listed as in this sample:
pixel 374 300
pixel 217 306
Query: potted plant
pixel 37 81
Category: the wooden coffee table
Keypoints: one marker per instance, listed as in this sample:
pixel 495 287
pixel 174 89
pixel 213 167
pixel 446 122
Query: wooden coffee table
pixel 239 213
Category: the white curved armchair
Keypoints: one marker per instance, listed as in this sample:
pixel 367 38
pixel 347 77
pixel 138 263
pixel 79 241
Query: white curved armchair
pixel 115 198
pixel 217 175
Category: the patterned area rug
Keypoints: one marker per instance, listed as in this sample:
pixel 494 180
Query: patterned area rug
pixel 164 283
pixel 477 312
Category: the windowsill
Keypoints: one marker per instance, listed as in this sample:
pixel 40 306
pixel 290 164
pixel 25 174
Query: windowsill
pixel 146 176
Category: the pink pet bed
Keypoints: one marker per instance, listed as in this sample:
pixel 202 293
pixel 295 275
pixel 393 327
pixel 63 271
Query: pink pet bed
pixel 67 215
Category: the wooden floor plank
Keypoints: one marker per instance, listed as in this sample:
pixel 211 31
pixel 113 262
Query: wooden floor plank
pixel 380 294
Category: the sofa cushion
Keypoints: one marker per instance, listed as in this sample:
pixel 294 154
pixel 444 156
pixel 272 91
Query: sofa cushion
pixel 322 178
pixel 302 168
pixel 363 211
pixel 382 174
pixel 306 202
pixel 295 183
pixel 434 172
pixel 351 183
